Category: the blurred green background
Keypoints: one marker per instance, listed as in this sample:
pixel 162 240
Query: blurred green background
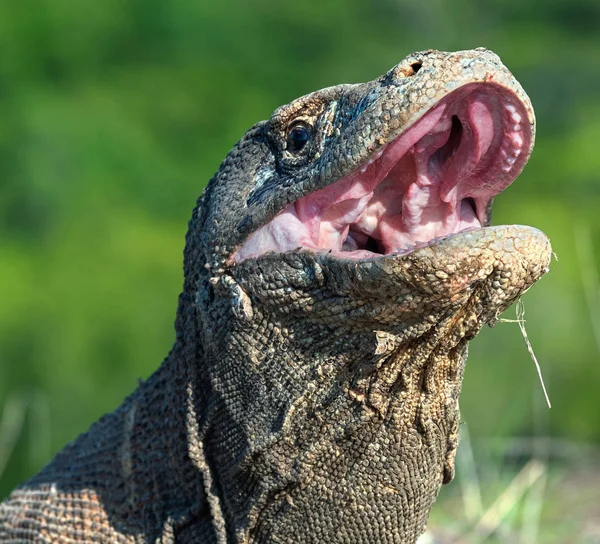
pixel 113 116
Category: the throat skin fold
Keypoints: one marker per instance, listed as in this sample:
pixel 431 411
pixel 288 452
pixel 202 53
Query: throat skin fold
pixel 312 391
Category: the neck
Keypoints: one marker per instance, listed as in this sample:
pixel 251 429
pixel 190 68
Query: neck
pixel 328 423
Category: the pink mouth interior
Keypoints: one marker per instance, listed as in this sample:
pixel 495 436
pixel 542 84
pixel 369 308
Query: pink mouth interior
pixel 433 180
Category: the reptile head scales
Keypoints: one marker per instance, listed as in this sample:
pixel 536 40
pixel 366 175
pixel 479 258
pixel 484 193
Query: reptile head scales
pixel 336 267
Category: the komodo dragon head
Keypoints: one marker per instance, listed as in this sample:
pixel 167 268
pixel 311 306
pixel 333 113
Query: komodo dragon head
pixel 338 264
pixel 336 267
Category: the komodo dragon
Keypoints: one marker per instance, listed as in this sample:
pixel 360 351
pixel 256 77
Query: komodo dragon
pixel 336 267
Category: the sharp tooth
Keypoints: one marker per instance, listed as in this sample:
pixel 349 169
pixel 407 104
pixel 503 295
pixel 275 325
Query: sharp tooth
pixel 517 141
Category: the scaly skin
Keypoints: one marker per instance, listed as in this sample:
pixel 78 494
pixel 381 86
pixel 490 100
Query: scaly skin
pixel 307 398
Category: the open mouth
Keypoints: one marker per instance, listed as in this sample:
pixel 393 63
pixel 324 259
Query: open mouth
pixel 435 179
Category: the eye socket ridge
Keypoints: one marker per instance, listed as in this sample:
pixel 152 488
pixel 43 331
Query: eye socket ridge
pixel 298 136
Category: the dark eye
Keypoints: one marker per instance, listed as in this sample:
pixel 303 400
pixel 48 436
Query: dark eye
pixel 298 136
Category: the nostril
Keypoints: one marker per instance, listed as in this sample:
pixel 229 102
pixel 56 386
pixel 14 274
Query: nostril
pixel 405 69
pixel 416 66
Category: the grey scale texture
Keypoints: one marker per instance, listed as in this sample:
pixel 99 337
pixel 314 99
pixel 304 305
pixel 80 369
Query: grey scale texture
pixel 307 398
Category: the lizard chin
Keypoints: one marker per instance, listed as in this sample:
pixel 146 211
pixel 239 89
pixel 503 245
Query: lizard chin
pixel 436 179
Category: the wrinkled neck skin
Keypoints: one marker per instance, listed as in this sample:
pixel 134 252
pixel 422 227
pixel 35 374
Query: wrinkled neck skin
pixel 329 419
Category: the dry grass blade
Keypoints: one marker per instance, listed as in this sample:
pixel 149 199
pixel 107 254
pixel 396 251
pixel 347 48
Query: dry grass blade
pixel 521 322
